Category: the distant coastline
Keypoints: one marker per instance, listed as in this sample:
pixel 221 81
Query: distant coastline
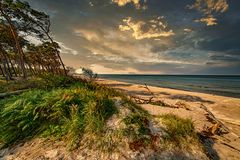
pixel 223 85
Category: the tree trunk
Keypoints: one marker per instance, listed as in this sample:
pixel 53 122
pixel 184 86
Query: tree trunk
pixel 2 71
pixel 14 71
pixel 6 68
pixel 57 52
pixel 17 43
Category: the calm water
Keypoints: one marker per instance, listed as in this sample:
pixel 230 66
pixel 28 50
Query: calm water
pixel 219 85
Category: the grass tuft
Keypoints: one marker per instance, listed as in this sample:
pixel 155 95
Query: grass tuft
pixel 180 132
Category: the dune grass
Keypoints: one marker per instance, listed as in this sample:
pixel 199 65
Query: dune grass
pixel 180 131
pixel 58 107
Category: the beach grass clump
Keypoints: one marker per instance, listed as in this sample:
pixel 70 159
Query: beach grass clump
pixel 180 131
pixel 137 130
pixel 63 113
pixel 136 122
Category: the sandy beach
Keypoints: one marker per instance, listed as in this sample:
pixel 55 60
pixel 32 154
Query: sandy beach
pixel 225 109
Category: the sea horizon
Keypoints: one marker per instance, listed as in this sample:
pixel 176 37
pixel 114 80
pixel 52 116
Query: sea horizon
pixel 223 85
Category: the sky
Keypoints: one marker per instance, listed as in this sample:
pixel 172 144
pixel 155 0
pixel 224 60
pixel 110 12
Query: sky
pixel 147 36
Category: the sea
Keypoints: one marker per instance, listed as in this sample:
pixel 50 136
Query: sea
pixel 224 85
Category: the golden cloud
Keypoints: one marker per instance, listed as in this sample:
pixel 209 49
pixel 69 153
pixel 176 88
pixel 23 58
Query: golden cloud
pixel 208 8
pixel 136 3
pixel 155 28
pixel 209 21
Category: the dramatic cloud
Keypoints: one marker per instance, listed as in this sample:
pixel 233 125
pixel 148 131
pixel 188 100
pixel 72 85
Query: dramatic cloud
pixel 154 28
pixel 223 59
pixel 137 3
pixel 209 8
pixel 111 39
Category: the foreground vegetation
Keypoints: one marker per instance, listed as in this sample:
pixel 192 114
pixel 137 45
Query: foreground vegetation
pixel 70 110
pixel 56 106
pixel 59 108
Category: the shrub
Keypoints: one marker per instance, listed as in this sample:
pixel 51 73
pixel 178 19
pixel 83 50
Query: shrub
pixel 89 74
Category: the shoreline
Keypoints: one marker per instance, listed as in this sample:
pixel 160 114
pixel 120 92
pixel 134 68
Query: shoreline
pixel 225 109
pixel 112 81
pixel 190 88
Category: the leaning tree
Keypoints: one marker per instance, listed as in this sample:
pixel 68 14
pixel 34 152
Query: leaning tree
pixel 22 20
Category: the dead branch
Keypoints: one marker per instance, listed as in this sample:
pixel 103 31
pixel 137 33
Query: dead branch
pixel 158 102
pixel 140 100
pixel 150 100
pixel 183 105
pixel 213 119
pixel 146 87
pixel 230 146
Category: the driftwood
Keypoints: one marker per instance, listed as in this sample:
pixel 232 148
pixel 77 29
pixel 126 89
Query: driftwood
pixel 217 129
pixel 3 95
pixel 151 100
pixel 230 146
pixel 217 123
pixel 146 87
pixel 140 100
pixel 180 104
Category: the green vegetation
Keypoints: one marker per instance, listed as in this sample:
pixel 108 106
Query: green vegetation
pixel 137 126
pixel 43 81
pixel 89 74
pixel 180 132
pixel 66 111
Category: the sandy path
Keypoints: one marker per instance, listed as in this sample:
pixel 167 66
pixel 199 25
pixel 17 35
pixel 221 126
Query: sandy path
pixel 226 109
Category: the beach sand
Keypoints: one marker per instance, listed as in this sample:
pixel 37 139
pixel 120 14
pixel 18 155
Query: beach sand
pixel 225 109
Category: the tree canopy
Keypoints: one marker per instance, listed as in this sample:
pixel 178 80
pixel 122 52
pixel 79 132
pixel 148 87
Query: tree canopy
pixel 18 56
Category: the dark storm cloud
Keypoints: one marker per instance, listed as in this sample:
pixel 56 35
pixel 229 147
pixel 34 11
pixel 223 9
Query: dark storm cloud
pixel 89 34
pixel 225 58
